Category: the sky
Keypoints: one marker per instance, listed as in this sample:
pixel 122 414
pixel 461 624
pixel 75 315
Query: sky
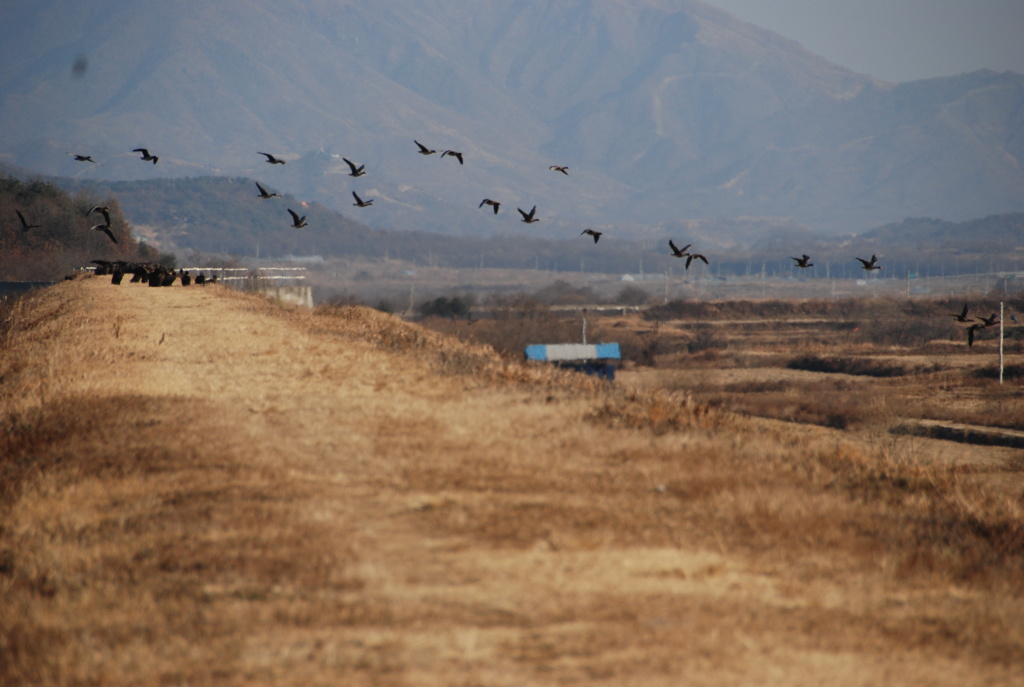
pixel 897 40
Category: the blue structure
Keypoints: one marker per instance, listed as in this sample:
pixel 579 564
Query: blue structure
pixel 593 359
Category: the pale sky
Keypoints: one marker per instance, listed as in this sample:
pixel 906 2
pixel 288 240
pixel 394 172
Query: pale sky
pixel 897 40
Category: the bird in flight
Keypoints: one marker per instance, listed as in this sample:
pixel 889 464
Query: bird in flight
pixel 679 252
pixel 360 202
pixel 271 159
pixel 970 333
pixel 105 228
pixel 297 222
pixel 146 157
pixel 356 171
pixel 493 203
pixel 265 194
pixel 695 256
pixel 103 210
pixel 560 168
pixel 528 217
pixel 25 226
pixel 962 316
pixel 457 155
pixel 424 150
pixel 990 321
pixel 82 158
pixel 803 262
pixel 869 264
pixel 591 232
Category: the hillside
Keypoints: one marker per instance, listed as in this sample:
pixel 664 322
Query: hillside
pixel 197 486
pixel 663 109
pixel 60 236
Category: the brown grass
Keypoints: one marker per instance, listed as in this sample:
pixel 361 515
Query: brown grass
pixel 201 487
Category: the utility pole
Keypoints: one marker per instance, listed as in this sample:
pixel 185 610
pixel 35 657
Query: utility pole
pixel 1000 342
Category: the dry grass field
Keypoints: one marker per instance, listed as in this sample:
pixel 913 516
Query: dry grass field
pixel 198 486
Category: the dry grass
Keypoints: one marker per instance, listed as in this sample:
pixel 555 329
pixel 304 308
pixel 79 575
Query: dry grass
pixel 200 487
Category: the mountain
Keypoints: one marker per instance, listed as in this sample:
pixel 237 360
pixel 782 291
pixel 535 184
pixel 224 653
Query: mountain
pixel 665 111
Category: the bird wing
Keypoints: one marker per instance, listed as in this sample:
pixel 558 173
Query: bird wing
pixel 25 224
pixel 295 216
pixel 106 230
pixel 350 165
pixel 698 256
pixel 356 196
pixel 145 153
pixel 263 191
pixel 864 262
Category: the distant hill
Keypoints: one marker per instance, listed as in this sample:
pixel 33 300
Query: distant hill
pixel 666 111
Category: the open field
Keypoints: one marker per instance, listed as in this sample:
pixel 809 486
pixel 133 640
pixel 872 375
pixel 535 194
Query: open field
pixel 198 486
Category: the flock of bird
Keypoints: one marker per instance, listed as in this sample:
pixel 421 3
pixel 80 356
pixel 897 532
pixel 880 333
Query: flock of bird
pixel 356 171
pixel 156 275
pixel 149 273
pixel 981 323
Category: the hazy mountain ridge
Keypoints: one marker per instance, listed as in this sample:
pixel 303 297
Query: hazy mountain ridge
pixel 664 109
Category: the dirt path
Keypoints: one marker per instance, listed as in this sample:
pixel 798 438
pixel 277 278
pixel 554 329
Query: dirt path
pixel 202 488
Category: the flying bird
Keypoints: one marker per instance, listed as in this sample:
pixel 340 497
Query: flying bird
pixel 271 159
pixel 493 203
pixel 679 252
pixel 990 321
pixel 970 333
pixel 590 232
pixel 870 264
pixel 82 158
pixel 265 194
pixel 103 210
pixel 454 154
pixel 356 171
pixel 105 228
pixel 560 168
pixel 25 226
pixel 962 316
pixel 695 256
pixel 803 262
pixel 360 202
pixel 146 157
pixel 423 150
pixel 297 222
pixel 528 217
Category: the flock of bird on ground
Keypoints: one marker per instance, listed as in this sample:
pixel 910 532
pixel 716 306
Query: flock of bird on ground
pixel 152 273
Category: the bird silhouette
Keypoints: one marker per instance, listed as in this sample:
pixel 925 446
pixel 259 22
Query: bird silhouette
pixel 423 150
pixel 360 202
pixel 560 168
pixel 803 262
pixel 356 171
pixel 265 194
pixel 271 159
pixel 454 154
pixel 962 316
pixel 869 264
pixel 105 228
pixel 103 210
pixel 493 203
pixel 679 252
pixel 695 256
pixel 970 333
pixel 146 157
pixel 297 222
pixel 82 158
pixel 529 217
pixel 990 321
pixel 590 232
pixel 25 226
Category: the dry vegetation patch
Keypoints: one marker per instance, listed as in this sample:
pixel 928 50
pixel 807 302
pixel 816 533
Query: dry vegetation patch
pixel 198 486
